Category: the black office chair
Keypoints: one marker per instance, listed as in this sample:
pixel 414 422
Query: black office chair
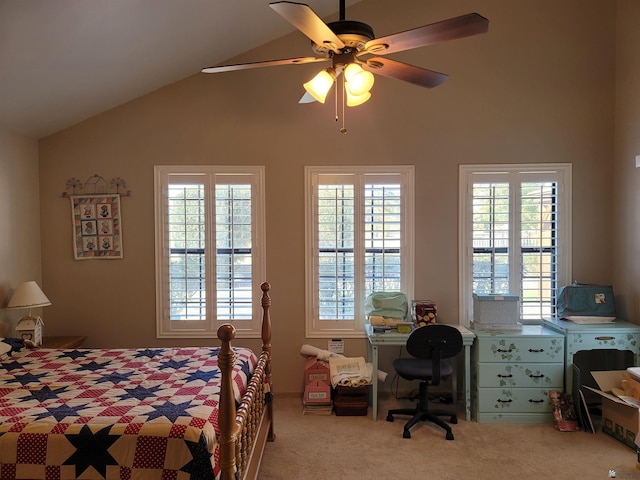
pixel 429 346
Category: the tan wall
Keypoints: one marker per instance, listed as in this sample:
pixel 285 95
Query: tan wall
pixel 626 208
pixel 19 221
pixel 537 88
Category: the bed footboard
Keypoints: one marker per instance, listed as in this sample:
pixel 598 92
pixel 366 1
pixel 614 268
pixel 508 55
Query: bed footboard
pixel 245 430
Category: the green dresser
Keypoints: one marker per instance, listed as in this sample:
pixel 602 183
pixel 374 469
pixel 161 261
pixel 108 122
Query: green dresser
pixel 513 372
pixel 619 335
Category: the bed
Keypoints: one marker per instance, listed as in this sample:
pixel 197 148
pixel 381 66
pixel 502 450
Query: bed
pixel 156 413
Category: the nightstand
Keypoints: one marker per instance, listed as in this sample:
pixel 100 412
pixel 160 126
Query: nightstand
pixel 69 341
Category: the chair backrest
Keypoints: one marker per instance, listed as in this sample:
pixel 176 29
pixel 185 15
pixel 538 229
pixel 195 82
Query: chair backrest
pixel 442 340
pixel 435 342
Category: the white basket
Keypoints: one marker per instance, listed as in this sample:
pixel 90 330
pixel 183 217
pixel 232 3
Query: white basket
pixel 491 309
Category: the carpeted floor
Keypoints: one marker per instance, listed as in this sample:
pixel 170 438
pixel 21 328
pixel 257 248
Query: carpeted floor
pixel 311 447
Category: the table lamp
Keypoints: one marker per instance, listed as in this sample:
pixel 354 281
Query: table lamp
pixel 28 295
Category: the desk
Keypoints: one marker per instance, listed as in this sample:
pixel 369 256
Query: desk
pixel 377 340
pixel 618 335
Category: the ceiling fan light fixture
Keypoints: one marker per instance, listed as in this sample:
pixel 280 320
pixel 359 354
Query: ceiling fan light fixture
pixel 358 81
pixel 343 42
pixel 318 87
pixel 352 70
pixel 355 100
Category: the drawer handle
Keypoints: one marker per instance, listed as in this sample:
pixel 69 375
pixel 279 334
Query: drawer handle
pixel 504 401
pixel 535 401
pixel 536 350
pixel 504 376
pixel 537 376
pixel 605 339
pixel 504 351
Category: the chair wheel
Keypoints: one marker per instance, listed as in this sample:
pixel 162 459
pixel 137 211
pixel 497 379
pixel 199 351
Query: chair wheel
pixel 449 436
pixel 389 418
pixel 454 420
pixel 406 434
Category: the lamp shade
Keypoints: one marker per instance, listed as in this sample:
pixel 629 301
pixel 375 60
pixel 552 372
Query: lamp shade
pixel 355 100
pixel 318 87
pixel 359 81
pixel 28 295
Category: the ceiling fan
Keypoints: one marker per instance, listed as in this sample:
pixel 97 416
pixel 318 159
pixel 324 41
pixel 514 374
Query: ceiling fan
pixel 345 42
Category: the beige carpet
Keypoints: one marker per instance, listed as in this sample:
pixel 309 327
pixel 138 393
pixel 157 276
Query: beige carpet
pixel 330 447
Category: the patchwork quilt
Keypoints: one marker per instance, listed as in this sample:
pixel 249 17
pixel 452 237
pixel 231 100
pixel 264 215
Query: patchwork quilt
pixel 113 414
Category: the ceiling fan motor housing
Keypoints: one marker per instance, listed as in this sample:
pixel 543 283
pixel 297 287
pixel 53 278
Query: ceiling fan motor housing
pixel 353 34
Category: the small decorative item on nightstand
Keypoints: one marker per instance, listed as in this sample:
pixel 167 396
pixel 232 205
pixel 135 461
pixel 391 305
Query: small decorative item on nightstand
pixel 28 295
pixel 30 328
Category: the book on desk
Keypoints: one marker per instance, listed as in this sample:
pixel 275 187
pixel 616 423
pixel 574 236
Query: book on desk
pixel 399 327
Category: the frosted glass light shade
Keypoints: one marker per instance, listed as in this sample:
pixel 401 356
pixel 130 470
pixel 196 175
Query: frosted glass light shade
pixel 355 100
pixel 318 87
pixel 352 70
pixel 358 81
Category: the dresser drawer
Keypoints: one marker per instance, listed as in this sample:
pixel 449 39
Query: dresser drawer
pixel 607 339
pixel 540 375
pixel 540 349
pixel 514 400
pixel 501 417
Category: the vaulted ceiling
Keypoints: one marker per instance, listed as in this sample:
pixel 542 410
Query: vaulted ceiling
pixel 64 61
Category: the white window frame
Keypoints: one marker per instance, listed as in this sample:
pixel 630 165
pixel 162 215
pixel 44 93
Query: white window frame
pixel 209 176
pixel 514 174
pixel 397 174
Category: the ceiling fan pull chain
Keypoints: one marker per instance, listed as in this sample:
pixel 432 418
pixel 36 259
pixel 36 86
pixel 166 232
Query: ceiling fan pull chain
pixel 343 130
pixel 335 84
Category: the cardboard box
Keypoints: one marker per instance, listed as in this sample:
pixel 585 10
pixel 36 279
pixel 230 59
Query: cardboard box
pixel 317 393
pixel 315 369
pixel 619 418
pixel 493 309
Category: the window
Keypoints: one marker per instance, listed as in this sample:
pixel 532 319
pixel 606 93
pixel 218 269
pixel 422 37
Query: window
pixel 209 249
pixel 359 228
pixel 515 234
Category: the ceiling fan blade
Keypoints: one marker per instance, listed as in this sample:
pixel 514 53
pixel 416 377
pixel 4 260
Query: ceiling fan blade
pixel 307 98
pixel 308 22
pixel 403 71
pixel 266 63
pixel 457 27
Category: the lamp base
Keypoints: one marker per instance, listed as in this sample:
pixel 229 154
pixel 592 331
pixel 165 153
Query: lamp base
pixel 30 329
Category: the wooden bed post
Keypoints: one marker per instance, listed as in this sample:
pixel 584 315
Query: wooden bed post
pixel 266 347
pixel 239 457
pixel 227 412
